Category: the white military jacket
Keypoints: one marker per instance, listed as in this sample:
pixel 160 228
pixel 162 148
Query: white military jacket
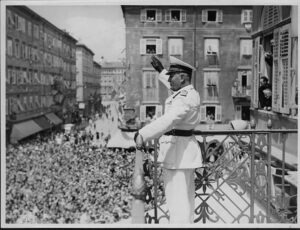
pixel 182 111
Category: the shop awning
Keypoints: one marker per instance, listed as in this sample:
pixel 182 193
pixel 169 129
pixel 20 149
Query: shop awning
pixel 43 122
pixel 24 129
pixel 53 118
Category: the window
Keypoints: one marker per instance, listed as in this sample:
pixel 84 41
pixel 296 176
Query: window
pixel 272 58
pixel 17 49
pixel 211 86
pixel 246 16
pixel 210 112
pixel 150 86
pixel 36 31
pixel 29 30
pixel 21 25
pixel 25 103
pixel 150 46
pixel 175 16
pixel 150 111
pixel 8 75
pixel 271 16
pixel 175 46
pixel 13 76
pixel 25 79
pixel 35 54
pixel 294 78
pixel 30 77
pixel 211 51
pixel 246 47
pixel 243 83
pixel 30 102
pixel 212 15
pixel 10 19
pixel 9 47
pixel 151 15
pixel 23 56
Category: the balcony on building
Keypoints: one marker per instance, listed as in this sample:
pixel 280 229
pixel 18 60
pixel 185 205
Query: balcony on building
pixel 239 91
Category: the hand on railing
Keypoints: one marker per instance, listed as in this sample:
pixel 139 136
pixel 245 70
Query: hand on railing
pixel 138 141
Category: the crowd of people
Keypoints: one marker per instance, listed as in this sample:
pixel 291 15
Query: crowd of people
pixel 70 181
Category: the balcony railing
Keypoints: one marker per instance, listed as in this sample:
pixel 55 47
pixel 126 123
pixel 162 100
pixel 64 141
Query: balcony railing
pixel 240 91
pixel 240 181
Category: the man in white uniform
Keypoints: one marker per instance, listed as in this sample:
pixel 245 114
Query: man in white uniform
pixel 179 151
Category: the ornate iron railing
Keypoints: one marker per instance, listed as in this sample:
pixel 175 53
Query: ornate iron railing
pixel 240 180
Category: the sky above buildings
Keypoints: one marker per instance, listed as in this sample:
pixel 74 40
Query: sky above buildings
pixel 100 27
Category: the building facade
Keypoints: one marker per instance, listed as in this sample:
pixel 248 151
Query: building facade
pixel 40 66
pixel 214 39
pixel 97 87
pixel 112 79
pixel 275 38
pixel 84 78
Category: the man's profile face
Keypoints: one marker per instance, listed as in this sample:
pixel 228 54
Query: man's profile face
pixel 175 81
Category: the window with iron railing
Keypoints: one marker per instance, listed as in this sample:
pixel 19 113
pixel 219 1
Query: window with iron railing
pixel 211 86
pixel 211 51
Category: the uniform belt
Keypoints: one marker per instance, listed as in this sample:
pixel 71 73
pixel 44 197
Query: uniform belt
pixel 178 132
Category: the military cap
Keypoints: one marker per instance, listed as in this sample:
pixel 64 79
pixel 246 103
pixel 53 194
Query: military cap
pixel 178 66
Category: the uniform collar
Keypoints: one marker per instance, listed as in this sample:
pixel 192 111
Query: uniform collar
pixel 188 87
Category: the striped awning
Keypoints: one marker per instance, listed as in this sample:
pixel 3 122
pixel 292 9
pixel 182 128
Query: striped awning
pixel 43 122
pixel 53 118
pixel 24 129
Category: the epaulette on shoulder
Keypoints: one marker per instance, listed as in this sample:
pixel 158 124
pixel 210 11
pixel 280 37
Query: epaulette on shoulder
pixel 183 93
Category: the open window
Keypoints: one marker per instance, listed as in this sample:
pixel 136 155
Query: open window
pixel 150 46
pixel 211 86
pixel 212 15
pixel 151 15
pixel 211 51
pixel 175 15
pixel 210 113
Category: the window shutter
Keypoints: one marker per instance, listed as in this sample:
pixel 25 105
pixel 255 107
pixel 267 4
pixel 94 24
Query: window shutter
pixel 249 77
pixel 158 15
pixel 203 113
pixel 276 73
pixel 204 15
pixel 183 15
pixel 242 16
pixel 158 46
pixel 255 82
pixel 285 68
pixel 218 113
pixel 220 16
pixel 143 113
pixel 142 46
pixel 168 16
pixel 158 111
pixel 143 15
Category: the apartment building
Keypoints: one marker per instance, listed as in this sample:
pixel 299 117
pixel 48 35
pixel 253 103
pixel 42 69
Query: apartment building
pixel 40 73
pixel 275 38
pixel 112 79
pixel 214 39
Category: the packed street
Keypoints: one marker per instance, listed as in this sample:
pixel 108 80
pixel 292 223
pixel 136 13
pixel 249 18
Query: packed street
pixel 50 182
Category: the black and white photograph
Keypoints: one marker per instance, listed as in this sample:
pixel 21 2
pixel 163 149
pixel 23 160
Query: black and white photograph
pixel 145 114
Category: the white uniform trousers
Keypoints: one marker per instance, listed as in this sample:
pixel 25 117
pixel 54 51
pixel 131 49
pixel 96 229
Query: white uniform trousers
pixel 180 195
